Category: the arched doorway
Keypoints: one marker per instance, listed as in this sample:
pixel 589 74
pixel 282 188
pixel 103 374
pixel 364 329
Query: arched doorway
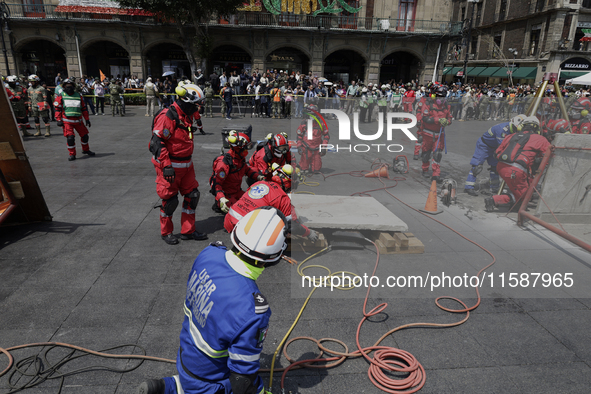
pixel 399 66
pixel 230 58
pixel 344 65
pixel 44 58
pixel 106 56
pixel 166 57
pixel 287 59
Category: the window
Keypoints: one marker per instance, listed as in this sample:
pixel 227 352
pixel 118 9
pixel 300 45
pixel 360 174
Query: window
pixel 479 13
pixel 539 5
pixel 496 48
pixel 586 4
pixel 406 15
pixel 503 10
pixel 463 14
pixel 573 1
pixel 33 8
pixel 534 39
pixel 474 45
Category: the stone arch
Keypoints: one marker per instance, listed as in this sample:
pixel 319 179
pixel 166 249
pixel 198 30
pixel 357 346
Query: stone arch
pixel 401 64
pixel 40 55
pixel 289 57
pixel 106 55
pixel 230 56
pixel 344 65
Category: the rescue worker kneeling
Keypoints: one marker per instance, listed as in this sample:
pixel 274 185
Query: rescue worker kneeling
pixel 274 194
pixel 518 157
pixel 226 316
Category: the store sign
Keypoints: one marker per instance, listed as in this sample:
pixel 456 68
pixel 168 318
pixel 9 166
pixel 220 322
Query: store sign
pixel 233 58
pixel 576 64
pixel 460 74
pixel 276 58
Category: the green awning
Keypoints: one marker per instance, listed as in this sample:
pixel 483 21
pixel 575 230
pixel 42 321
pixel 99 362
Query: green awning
pixel 489 71
pixel 446 70
pixel 525 73
pixel 474 71
pixel 501 73
pixel 452 71
pixel 572 74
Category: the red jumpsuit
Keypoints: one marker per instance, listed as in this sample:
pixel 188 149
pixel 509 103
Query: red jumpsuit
pixel 408 100
pixel 172 145
pixel 310 148
pixel 554 126
pixel 428 119
pixel 516 173
pixel 228 171
pixel 262 194
pixel 72 123
pixel 419 141
pixel 581 126
pixel 263 159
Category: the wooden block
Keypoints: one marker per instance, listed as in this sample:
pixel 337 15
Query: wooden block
pixel 17 190
pixel 387 240
pixel 402 240
pixel 385 249
pixel 6 152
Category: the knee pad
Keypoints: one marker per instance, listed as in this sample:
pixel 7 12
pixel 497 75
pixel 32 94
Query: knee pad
pixel 36 119
pixel 193 198
pixel 71 141
pixel 45 119
pixel 84 139
pixel 476 169
pixel 170 205
pixel 426 156
pixel 420 139
pixel 437 155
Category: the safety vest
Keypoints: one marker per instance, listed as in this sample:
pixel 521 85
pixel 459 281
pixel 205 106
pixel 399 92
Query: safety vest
pixel 208 93
pixel 363 103
pixel 370 98
pixel 72 105
pixel 276 93
pixel 113 89
pixel 150 91
pixel 383 100
pixel 514 148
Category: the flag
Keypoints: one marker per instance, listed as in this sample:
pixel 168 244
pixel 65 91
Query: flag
pixel 102 76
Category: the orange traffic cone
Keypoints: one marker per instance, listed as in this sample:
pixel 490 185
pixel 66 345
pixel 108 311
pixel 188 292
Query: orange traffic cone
pixel 381 172
pixel 431 205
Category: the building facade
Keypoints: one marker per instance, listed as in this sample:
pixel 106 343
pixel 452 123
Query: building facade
pixel 517 41
pixel 369 40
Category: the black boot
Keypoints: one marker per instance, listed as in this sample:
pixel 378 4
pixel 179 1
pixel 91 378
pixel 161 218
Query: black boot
pixel 426 174
pixel 152 386
pixel 415 157
pixel 216 208
pixel 88 152
pixel 72 158
pixel 471 192
pixel 171 240
pixel 195 235
pixel 489 204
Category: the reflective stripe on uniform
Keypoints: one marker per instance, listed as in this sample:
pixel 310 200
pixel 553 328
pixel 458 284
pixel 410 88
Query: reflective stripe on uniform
pixel 235 214
pixel 72 120
pixel 164 215
pixel 179 388
pixel 181 165
pixel 188 211
pixel 244 357
pixel 517 165
pixel 199 341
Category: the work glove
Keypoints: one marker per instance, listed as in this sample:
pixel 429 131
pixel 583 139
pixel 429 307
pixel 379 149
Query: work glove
pixel 224 204
pixel 443 122
pixel 323 152
pixel 88 123
pixel 60 123
pixel 313 236
pixel 169 174
pixel 261 178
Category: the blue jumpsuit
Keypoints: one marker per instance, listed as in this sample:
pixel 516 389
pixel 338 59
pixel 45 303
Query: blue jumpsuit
pixel 226 322
pixel 485 148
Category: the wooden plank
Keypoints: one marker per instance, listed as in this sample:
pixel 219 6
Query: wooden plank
pixel 387 240
pixel 17 189
pixel 6 151
pixel 402 240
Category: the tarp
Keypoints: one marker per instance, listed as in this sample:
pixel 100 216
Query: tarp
pixel 584 79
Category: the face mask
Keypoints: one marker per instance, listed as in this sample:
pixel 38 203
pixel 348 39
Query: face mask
pixel 69 90
pixel 187 108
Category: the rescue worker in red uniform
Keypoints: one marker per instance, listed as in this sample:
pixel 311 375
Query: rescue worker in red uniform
pixel 228 171
pixel 310 149
pixel 554 126
pixel 519 155
pixel 274 151
pixel 408 98
pixel 172 149
pixel 431 87
pixel 578 115
pixel 433 117
pixel 271 193
pixel 70 111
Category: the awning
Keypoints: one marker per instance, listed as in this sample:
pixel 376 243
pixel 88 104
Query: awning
pixel 501 73
pixel 474 71
pixel 446 70
pixel 525 73
pixel 453 71
pixel 489 71
pixel 572 74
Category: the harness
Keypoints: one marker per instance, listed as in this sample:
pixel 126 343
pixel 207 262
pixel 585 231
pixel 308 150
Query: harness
pixel 229 161
pixel 514 149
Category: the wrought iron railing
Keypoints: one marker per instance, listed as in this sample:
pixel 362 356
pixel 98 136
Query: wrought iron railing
pixel 255 19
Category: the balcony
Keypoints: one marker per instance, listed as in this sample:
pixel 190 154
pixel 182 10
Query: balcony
pixel 242 19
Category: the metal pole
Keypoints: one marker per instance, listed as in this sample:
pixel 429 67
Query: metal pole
pixel 78 52
pixel 468 39
pixel 561 103
pixel 436 64
pixel 4 48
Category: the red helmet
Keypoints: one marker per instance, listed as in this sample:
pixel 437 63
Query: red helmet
pixel 280 144
pixel 283 176
pixel 582 103
pixel 239 142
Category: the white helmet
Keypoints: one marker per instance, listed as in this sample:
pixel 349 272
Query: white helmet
pixel 11 78
pixel 34 77
pixel 516 123
pixel 260 235
pixel 384 86
pixel 189 93
pixel 531 124
pixel 364 90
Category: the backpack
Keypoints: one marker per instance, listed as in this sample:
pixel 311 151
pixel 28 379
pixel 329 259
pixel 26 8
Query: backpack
pixel 513 149
pixel 227 159
pixel 155 141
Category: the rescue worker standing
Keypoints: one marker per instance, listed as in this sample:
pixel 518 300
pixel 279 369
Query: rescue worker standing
pixel 485 151
pixel 310 148
pixel 226 316
pixel 115 90
pixel 172 149
pixel 228 171
pixel 70 110
pixel 433 117
pixel 209 93
pixel 151 91
pixel 38 105
pixel 276 96
pixel 517 161
pixel 19 106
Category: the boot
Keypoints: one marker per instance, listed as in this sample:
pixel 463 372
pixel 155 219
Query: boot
pixel 25 132
pixel 415 157
pixel 152 386
pixel 88 152
pixel 216 208
pixel 171 240
pixel 47 133
pixel 489 204
pixel 426 174
pixel 38 133
pixel 471 192
pixel 195 235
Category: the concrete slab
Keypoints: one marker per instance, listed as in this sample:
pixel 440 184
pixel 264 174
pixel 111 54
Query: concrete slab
pixel 346 213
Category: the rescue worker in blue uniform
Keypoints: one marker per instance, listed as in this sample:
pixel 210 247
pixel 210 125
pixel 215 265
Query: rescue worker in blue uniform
pixel 226 316
pixel 485 149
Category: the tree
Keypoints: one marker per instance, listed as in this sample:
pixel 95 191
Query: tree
pixel 187 14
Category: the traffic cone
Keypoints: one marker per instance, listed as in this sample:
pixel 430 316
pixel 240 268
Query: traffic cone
pixel 381 172
pixel 431 204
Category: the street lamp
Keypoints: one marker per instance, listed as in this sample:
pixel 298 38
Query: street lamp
pixel 4 15
pixel 469 39
pixel 514 52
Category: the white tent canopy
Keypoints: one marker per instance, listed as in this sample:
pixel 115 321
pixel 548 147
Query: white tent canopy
pixel 581 80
